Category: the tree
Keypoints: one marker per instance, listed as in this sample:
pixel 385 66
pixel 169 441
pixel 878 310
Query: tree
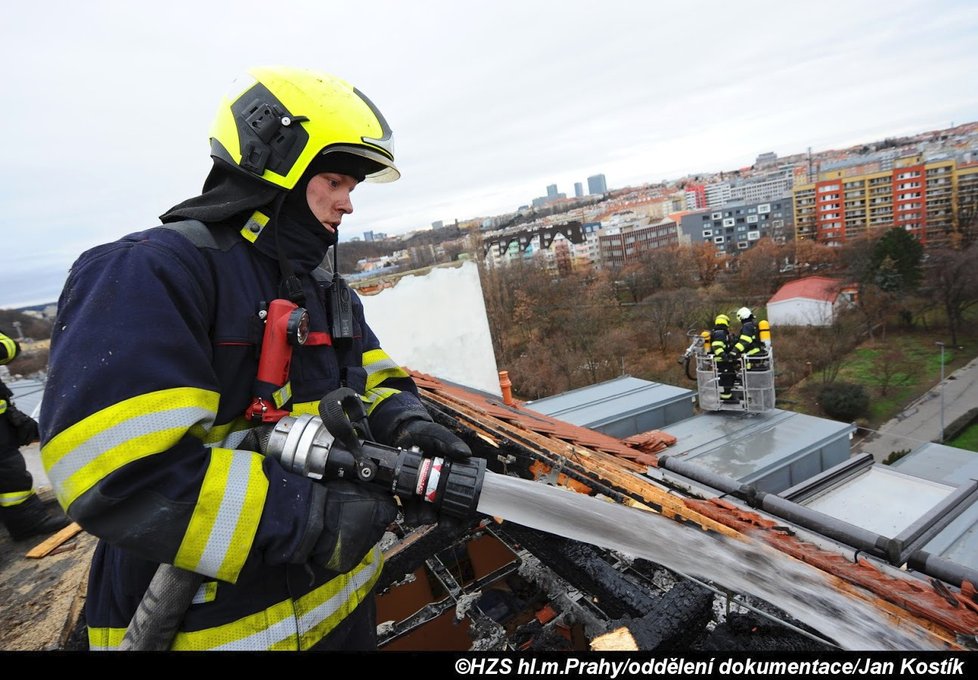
pixel 965 232
pixel 584 312
pixel 636 280
pixel 895 265
pixel 828 345
pixel 953 281
pixel 759 268
pixel 856 255
pixel 707 261
pixel 890 368
pixel 665 312
pixel 813 255
pixel 873 304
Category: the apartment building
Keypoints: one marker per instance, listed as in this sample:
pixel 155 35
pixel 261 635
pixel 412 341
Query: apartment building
pixel 749 190
pixel 737 226
pixel 925 197
pixel 622 244
pixel 524 242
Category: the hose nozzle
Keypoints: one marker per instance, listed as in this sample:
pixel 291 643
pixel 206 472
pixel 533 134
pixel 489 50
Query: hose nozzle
pixel 304 446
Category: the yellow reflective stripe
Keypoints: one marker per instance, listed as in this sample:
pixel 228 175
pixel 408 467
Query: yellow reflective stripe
pixel 322 610
pixel 105 639
pixel 306 408
pixel 88 451
pixel 3 405
pixel 225 520
pixel 10 346
pixel 276 628
pixel 380 367
pixel 254 225
pixel 271 629
pixel 12 498
pixel 282 394
pixel 373 397
pixel 219 434
pixel 206 593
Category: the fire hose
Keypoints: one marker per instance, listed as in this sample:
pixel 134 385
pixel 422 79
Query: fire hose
pixel 333 446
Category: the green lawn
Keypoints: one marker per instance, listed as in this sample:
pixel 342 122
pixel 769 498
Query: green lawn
pixel 968 439
pixel 895 371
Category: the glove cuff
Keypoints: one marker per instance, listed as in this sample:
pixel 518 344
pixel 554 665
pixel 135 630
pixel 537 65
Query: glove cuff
pixel 314 525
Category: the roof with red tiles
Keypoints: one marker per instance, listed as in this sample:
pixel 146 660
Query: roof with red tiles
pixel 638 448
pixel 810 288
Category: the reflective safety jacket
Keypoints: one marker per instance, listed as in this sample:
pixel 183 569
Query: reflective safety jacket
pixel 9 349
pixel 153 358
pixel 749 342
pixel 719 341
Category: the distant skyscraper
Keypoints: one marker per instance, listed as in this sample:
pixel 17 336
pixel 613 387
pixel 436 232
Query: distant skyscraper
pixel 552 191
pixel 578 190
pixel 368 236
pixel 596 184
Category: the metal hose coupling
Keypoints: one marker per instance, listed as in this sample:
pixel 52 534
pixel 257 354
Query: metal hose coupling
pixel 303 445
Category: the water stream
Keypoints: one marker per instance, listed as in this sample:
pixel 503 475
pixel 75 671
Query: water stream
pixel 749 567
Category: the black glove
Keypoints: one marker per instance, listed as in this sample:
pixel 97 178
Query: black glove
pixel 355 516
pixel 433 439
pixel 26 427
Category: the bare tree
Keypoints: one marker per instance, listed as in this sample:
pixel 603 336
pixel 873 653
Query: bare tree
pixel 759 268
pixel 889 367
pixel 810 255
pixel 829 344
pixel 953 279
pixel 873 304
pixel 665 314
pixel 707 261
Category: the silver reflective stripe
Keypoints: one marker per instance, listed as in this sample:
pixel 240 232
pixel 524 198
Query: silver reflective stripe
pixel 118 435
pixel 382 365
pixel 263 639
pixel 315 616
pixel 230 442
pixel 221 536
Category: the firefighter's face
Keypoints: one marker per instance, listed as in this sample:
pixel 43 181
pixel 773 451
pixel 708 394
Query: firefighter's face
pixel 328 194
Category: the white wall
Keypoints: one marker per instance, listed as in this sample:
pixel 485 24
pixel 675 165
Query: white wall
pixel 437 324
pixel 800 312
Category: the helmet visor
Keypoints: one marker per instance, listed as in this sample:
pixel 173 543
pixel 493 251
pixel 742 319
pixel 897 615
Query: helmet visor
pixel 379 168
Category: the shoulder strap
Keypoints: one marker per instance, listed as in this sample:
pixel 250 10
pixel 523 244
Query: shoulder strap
pixel 203 236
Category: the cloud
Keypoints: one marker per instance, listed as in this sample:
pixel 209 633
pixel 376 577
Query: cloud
pixel 110 102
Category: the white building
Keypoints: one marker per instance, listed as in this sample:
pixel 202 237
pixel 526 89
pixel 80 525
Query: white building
pixel 810 301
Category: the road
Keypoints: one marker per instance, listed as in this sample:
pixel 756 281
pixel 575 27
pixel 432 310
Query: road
pixel 922 420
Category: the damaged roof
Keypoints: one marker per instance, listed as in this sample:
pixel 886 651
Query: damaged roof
pixel 594 462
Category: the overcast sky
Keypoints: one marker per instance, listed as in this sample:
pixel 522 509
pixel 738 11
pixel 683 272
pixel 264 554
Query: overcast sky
pixel 107 105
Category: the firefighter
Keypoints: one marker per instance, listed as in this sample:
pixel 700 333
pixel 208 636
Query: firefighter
pixel 21 511
pixel 720 348
pixel 153 366
pixel 749 341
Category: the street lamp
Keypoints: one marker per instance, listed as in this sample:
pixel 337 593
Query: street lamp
pixel 942 390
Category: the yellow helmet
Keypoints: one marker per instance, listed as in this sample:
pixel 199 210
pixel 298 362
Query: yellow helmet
pixel 277 120
pixel 721 320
